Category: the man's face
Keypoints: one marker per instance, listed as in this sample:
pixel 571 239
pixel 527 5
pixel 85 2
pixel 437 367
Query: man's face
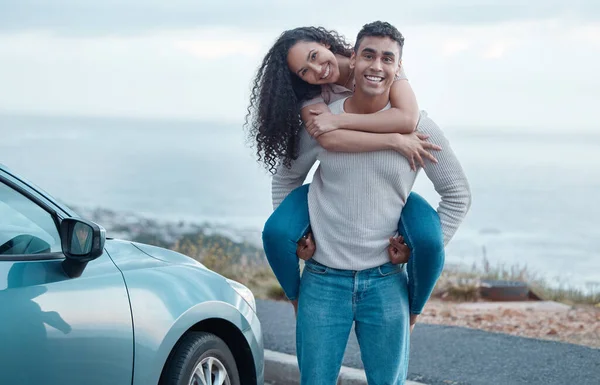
pixel 376 63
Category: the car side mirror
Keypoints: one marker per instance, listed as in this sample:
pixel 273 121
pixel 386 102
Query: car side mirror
pixel 81 241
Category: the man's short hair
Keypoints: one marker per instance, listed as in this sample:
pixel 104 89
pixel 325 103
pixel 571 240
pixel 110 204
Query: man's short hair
pixel 379 29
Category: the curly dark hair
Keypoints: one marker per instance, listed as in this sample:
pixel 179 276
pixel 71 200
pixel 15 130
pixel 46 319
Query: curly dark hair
pixel 379 29
pixel 273 120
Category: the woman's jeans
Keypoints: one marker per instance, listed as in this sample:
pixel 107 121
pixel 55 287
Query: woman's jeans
pixel 419 224
pixel 374 300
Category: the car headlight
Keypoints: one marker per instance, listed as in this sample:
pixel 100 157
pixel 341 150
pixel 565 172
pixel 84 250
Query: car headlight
pixel 244 292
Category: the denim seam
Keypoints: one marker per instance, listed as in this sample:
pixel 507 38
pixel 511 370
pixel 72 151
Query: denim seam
pixel 304 232
pixel 407 350
pixel 366 285
pixel 354 293
pixel 393 272
pixel 315 271
pixel 412 280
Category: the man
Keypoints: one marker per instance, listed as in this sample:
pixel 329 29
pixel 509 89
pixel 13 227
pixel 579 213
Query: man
pixel 354 200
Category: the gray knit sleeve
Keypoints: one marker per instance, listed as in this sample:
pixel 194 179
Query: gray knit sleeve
pixel 287 179
pixel 448 178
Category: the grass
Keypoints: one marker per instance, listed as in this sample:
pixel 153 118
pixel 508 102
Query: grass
pixel 460 284
pixel 275 292
pixel 246 264
pixel 455 284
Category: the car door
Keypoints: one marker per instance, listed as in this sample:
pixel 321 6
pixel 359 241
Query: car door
pixel 54 329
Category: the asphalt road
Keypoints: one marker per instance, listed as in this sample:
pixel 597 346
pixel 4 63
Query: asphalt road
pixel 447 355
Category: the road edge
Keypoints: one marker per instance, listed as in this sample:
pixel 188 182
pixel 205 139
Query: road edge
pixel 282 369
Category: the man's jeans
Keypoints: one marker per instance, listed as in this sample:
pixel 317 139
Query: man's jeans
pixel 331 300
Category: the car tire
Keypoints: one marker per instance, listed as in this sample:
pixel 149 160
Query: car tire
pixel 200 353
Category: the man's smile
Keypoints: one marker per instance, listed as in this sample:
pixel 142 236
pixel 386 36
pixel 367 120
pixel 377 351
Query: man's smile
pixel 374 78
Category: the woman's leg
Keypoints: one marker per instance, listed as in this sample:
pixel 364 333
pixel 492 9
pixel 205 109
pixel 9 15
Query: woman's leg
pixel 282 231
pixel 420 226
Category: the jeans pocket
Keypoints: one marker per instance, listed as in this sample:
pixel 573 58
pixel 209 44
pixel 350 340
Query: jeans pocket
pixel 390 269
pixel 315 267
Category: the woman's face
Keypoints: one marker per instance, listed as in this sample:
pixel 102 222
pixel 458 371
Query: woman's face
pixel 313 62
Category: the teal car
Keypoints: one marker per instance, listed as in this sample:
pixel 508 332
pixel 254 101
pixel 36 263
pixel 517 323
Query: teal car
pixel 79 308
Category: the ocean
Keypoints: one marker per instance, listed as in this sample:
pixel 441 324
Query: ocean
pixel 535 194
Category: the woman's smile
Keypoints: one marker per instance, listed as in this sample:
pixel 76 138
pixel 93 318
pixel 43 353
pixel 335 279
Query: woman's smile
pixel 327 70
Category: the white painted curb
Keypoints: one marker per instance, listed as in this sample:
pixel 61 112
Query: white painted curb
pixel 282 369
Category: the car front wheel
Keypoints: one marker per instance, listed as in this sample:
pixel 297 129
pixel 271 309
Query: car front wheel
pixel 201 359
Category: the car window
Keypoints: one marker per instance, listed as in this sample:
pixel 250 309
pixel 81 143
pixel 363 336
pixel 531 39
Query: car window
pixel 25 227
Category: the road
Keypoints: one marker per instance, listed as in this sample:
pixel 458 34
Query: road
pixel 446 355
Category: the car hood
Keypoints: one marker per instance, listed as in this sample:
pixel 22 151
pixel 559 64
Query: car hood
pixel 127 251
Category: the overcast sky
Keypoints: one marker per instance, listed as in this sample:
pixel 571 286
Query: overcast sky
pixel 496 63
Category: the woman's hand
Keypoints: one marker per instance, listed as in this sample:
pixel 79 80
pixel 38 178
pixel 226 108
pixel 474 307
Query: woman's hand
pixel 321 122
pixel 398 251
pixel 306 247
pixel 414 148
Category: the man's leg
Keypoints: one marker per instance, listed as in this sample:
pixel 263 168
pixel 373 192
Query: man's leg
pixel 382 324
pixel 324 322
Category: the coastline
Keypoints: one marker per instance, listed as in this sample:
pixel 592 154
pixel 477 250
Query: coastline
pixel 565 315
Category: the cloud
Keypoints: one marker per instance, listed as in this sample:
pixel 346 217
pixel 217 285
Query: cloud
pixel 140 16
pixel 178 74
pixel 508 73
pixel 587 34
pixel 497 49
pixel 216 48
pixel 455 46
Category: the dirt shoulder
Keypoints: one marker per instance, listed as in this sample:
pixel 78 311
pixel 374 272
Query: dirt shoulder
pixel 536 319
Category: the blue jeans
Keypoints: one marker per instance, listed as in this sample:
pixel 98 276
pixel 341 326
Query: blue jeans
pixel 419 224
pixel 331 300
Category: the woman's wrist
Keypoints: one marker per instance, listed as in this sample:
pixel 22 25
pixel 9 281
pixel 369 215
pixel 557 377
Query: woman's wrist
pixel 342 121
pixel 396 142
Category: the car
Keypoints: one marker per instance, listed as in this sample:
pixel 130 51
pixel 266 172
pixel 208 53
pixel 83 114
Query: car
pixel 78 308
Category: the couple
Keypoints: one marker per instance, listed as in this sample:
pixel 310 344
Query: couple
pixel 369 143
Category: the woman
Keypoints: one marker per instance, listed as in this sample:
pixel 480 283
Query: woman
pixel 307 68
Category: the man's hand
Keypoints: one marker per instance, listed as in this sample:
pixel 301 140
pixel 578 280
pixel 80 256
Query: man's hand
pixel 306 247
pixel 320 123
pixel 398 251
pixel 414 147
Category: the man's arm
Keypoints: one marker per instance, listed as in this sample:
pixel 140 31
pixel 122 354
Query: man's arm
pixel 448 179
pixel 287 179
